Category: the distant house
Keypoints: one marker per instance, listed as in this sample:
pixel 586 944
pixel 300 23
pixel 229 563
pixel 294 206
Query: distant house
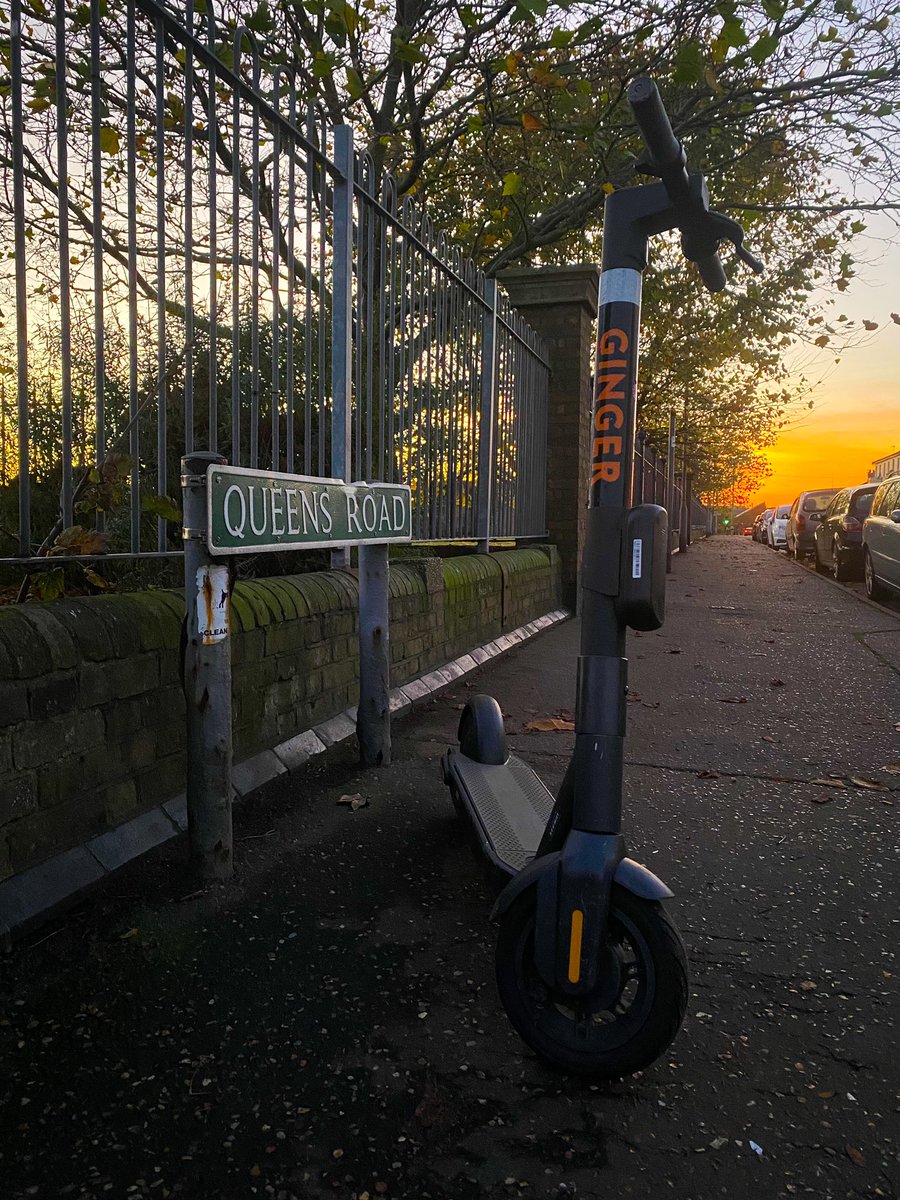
pixel 746 516
pixel 883 468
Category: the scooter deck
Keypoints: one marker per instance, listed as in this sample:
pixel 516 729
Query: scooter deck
pixel 508 805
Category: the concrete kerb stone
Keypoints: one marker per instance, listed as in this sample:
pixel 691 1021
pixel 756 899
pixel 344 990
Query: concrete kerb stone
pixel 435 680
pixel 300 749
pixel 399 702
pixel 118 847
pixel 253 772
pixel 466 663
pixel 414 690
pixel 36 893
pixel 176 810
pixel 335 729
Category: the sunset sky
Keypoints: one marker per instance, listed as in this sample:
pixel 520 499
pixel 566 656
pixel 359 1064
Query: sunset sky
pixel 857 406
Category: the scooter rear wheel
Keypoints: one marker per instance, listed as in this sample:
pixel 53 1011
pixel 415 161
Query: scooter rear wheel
pixel 631 1017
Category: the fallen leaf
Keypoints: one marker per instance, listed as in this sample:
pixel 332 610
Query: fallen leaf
pixel 129 933
pixel 732 699
pixel 717 1143
pixel 871 784
pixel 776 683
pixel 836 783
pixel 808 986
pixel 825 1095
pixel 768 738
pixel 822 799
pixel 550 725
pixel 892 768
pixel 337 1154
pixel 895 317
pixel 855 1155
pixel 255 1172
pixel 354 802
pixel 674 651
pixel 707 774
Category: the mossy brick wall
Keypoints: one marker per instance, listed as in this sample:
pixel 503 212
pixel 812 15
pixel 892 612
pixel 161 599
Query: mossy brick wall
pixel 91 706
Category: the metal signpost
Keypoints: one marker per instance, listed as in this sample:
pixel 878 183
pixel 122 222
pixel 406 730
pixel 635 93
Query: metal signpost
pixel 233 510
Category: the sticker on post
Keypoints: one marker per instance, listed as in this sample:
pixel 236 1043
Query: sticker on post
pixel 212 604
pixel 637 554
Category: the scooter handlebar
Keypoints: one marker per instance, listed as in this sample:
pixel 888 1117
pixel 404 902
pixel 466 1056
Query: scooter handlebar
pixel 702 230
pixel 712 273
pixel 653 122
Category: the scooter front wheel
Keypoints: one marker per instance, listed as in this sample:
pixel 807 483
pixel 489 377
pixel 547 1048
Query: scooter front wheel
pixel 632 1015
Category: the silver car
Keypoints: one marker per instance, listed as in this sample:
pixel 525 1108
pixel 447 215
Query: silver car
pixel 881 542
pixel 776 531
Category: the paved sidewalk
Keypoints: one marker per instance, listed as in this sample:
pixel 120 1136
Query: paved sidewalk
pixel 327 1024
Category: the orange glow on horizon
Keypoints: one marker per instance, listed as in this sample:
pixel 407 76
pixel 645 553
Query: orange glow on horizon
pixel 856 420
pixel 837 451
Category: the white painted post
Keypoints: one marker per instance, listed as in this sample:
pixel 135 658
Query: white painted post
pixel 207 681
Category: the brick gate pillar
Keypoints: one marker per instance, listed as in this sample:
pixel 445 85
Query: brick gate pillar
pixel 561 304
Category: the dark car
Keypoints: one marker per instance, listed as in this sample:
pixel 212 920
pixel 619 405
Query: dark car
pixel 761 526
pixel 806 512
pixel 838 537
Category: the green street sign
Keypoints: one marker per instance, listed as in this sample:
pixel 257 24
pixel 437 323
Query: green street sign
pixel 250 511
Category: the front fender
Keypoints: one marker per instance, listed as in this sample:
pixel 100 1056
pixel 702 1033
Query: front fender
pixel 640 881
pixel 631 875
pixel 519 883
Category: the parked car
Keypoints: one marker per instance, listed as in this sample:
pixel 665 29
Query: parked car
pixel 881 542
pixel 838 537
pixel 806 512
pixel 777 526
pixel 761 526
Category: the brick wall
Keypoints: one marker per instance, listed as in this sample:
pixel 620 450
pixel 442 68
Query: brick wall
pixel 91 707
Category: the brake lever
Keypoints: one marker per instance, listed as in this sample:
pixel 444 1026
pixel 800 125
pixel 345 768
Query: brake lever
pixel 731 231
pixel 755 264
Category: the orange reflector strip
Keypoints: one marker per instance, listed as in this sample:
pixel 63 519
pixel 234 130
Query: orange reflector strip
pixel 575 946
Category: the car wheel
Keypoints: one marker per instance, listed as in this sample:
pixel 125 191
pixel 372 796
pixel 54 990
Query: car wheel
pixel 875 590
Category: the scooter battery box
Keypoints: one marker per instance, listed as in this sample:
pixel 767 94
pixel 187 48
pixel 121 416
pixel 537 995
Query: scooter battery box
pixel 642 579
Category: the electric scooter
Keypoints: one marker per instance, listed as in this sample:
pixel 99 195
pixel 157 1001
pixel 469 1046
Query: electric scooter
pixel 590 968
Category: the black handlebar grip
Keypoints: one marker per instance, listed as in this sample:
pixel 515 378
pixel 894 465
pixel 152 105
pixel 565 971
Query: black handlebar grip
pixel 712 273
pixel 651 119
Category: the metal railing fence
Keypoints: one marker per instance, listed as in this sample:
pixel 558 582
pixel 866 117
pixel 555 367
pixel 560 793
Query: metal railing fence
pixel 199 264
pixel 652 486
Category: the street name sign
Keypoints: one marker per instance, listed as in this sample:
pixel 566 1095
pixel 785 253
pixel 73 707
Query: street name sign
pixel 250 511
